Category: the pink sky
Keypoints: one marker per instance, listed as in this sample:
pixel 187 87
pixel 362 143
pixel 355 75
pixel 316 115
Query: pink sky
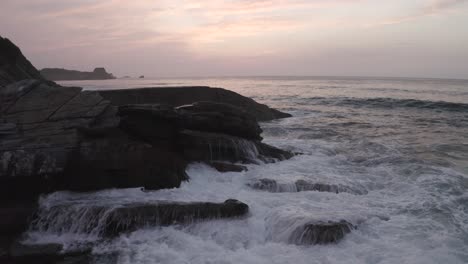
pixel 159 38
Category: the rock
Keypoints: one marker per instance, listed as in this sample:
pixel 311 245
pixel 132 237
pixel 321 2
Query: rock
pixel 14 220
pixel 272 154
pixel 226 167
pixel 130 218
pixel 301 186
pixel 223 132
pixel 265 185
pixel 154 124
pixel 21 253
pixel 320 233
pixel 141 77
pixel 111 221
pixel 55 74
pixel 206 146
pixel 119 161
pixel 219 118
pixel 14 66
pixel 178 96
pixel 35 250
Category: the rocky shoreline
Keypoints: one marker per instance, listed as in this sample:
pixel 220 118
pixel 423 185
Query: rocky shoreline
pixel 55 138
pixel 63 138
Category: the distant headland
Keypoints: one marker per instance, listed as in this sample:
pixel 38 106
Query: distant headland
pixel 56 74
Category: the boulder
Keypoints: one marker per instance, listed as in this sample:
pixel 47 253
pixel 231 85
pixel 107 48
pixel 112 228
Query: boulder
pixel 226 167
pixel 178 96
pixel 320 233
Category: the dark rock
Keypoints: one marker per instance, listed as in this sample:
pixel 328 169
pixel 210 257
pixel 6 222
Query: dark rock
pixel 219 118
pixel 111 220
pixel 272 154
pixel 13 65
pixel 151 123
pixel 226 167
pixel 35 250
pixel 302 185
pixel 141 77
pixel 265 185
pixel 320 233
pixel 55 74
pixel 178 96
pixel 118 161
pixel 206 146
pixel 14 220
pixel 223 132
pixel 130 218
pixel 21 253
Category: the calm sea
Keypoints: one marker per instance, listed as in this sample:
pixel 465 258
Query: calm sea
pixel 404 141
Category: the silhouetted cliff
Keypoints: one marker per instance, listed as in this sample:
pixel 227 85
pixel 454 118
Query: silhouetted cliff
pixel 55 74
pixel 13 65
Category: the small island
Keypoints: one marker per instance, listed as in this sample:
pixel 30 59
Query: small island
pixel 56 74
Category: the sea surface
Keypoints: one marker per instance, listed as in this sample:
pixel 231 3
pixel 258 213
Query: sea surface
pixel 403 141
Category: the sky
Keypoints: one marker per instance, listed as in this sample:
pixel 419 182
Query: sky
pixel 177 38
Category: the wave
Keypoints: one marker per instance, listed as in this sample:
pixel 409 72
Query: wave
pixel 390 103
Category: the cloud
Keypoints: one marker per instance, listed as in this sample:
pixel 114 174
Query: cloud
pixel 435 7
pixel 180 35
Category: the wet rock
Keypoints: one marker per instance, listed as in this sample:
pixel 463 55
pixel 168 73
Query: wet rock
pixel 32 250
pixel 272 154
pixel 320 233
pixel 178 96
pixel 132 217
pixel 14 220
pixel 226 167
pixel 207 146
pixel 21 253
pixel 265 185
pixel 301 186
pixel 111 221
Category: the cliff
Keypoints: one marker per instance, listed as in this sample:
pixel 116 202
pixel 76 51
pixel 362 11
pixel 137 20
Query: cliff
pixel 13 65
pixel 55 74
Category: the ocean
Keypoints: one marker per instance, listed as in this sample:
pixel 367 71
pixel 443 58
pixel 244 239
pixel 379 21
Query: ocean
pixel 402 143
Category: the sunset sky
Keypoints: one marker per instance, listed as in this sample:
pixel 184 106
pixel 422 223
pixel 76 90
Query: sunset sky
pixel 163 38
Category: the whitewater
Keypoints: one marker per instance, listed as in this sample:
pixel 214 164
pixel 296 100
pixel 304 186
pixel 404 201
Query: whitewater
pixel 400 145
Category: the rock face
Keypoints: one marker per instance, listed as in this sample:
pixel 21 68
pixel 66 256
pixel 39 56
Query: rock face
pixel 13 65
pixel 178 96
pixel 55 74
pixel 65 138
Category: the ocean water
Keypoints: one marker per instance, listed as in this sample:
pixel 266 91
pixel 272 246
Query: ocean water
pixel 404 142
